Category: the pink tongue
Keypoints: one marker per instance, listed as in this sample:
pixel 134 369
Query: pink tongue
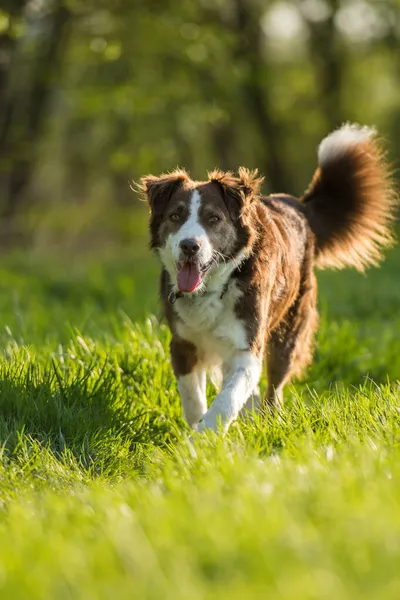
pixel 189 277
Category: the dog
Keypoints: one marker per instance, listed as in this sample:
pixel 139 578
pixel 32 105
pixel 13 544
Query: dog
pixel 237 279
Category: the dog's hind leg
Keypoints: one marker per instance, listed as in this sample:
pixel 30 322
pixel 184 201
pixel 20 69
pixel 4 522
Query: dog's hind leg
pixel 289 347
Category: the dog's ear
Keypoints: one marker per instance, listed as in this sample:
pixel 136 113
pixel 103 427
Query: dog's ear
pixel 250 182
pixel 238 192
pixel 158 190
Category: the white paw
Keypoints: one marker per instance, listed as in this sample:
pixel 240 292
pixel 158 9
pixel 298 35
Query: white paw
pixel 214 420
pixel 206 425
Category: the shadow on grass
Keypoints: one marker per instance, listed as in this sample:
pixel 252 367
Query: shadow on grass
pixel 89 414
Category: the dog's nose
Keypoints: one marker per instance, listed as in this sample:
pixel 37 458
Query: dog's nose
pixel 189 247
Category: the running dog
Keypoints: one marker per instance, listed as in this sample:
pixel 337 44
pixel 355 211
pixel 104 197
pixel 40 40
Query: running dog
pixel 237 280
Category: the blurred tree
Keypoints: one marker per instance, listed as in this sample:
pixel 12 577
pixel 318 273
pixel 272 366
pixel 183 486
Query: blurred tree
pixel 391 10
pixel 94 93
pixel 243 20
pixel 34 54
pixel 326 52
pixel 11 14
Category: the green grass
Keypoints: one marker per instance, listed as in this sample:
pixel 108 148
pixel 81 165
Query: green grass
pixel 101 496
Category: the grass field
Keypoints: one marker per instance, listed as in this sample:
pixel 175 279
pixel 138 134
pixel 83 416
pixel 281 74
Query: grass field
pixel 102 497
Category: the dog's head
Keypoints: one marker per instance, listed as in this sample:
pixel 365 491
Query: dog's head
pixel 195 226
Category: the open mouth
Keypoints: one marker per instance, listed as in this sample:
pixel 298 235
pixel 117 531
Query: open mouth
pixel 190 275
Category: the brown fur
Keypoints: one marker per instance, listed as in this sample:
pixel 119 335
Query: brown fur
pixel 158 191
pixel 279 292
pixel 350 205
pixel 184 356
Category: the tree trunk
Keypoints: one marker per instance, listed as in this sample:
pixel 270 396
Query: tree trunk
pixel 25 104
pixel 327 58
pixel 14 11
pixel 244 22
pixel 255 94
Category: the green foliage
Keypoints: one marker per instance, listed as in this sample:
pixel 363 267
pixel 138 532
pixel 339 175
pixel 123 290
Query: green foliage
pixel 102 495
pixel 97 94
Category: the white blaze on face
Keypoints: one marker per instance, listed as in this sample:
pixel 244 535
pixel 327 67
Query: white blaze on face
pixel 191 229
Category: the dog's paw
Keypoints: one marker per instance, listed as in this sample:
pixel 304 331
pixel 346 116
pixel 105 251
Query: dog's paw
pixel 206 426
pixel 213 421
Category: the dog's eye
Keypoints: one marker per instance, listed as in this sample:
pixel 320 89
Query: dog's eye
pixel 214 219
pixel 174 217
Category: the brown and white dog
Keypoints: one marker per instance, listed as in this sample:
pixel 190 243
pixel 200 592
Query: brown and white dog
pixel 237 283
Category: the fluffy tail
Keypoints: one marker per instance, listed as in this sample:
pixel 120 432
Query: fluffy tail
pixel 350 203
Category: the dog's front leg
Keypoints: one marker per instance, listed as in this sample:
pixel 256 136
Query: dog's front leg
pixel 191 379
pixel 242 377
pixel 192 390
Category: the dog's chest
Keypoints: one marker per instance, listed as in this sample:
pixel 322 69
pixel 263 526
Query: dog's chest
pixel 211 324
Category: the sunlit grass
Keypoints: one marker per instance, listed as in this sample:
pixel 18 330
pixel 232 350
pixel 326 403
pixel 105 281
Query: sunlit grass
pixel 102 496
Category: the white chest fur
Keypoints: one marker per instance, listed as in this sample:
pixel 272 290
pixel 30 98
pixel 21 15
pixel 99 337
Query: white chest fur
pixel 211 324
